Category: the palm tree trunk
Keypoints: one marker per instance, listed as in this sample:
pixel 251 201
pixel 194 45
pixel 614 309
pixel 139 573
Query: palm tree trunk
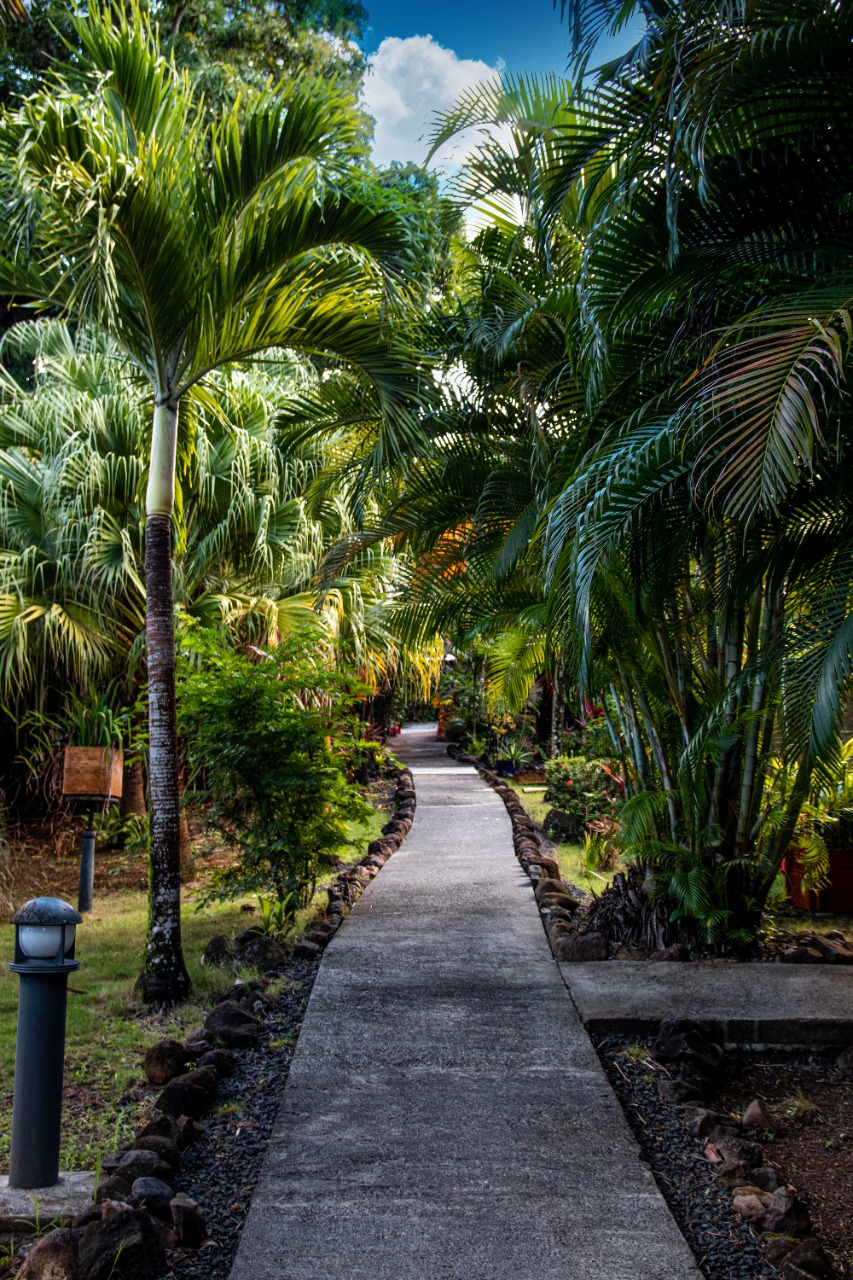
pixel 133 791
pixel 164 979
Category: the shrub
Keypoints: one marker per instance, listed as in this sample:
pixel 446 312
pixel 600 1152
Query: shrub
pixel 258 732
pixel 593 742
pixel 581 791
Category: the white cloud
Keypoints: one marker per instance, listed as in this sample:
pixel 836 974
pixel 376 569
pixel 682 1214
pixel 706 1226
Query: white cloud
pixel 407 81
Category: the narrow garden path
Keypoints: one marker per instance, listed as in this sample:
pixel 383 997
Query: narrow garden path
pixel 445 1116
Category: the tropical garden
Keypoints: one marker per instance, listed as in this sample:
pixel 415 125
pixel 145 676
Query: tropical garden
pixel 290 444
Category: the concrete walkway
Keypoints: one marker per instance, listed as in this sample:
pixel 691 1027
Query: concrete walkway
pixel 446 1117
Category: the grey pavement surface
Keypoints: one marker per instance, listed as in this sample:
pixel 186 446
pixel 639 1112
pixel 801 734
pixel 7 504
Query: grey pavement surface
pixel 445 1116
pixel 746 1003
pixel 25 1212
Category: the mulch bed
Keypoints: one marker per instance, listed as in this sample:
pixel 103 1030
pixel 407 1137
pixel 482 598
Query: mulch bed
pixel 813 1150
pixel 221 1170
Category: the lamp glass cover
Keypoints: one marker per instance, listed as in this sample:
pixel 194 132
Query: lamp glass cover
pixel 42 941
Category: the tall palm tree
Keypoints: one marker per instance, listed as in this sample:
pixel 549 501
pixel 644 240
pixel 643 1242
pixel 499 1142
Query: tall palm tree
pixel 13 11
pixel 193 246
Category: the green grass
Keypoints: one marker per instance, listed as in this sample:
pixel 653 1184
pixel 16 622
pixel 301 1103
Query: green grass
pixel 108 1030
pixel 569 856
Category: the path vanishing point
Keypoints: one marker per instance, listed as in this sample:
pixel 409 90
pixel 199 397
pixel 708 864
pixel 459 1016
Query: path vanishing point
pixel 446 1116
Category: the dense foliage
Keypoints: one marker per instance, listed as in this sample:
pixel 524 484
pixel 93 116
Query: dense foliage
pixel 598 443
pixel 259 735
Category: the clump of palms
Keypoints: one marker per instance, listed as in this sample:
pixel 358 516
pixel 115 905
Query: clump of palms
pixel 192 246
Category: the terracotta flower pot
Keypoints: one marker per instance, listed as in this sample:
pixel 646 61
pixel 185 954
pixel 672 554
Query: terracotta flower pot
pixel 837 897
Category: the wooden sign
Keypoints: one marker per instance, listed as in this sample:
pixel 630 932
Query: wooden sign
pixel 94 772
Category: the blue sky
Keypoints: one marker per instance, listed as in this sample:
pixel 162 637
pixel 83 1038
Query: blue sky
pixel 526 36
pixel 422 56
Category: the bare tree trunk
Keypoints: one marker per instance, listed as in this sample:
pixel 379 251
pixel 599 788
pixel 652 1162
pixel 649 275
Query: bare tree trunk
pixel 133 791
pixel 184 837
pixel 164 979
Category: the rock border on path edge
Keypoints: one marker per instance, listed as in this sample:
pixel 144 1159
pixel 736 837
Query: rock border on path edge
pixel 556 900
pixel 127 1221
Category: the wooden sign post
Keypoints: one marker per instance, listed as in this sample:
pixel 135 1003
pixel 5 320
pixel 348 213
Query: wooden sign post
pixel 94 774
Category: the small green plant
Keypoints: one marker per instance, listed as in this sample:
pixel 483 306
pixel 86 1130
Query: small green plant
pixel 130 832
pixel 798 1106
pixel 476 744
pixel 274 915
pixel 517 753
pixel 633 1052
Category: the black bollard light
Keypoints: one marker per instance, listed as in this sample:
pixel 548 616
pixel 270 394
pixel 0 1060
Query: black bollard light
pixel 87 868
pixel 45 930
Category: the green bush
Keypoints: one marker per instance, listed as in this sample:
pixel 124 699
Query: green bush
pixel 258 736
pixel 581 791
pixel 592 742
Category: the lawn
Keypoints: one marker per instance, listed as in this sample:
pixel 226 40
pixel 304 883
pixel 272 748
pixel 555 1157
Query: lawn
pixel 569 856
pixel 108 1029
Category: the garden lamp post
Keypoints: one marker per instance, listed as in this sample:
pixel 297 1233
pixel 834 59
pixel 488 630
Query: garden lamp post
pixel 45 930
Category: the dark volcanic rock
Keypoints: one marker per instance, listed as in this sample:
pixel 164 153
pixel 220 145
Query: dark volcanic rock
pixel 131 1165
pixel 306 949
pixel 165 1060
pixel 191 1094
pixel 165 1148
pixel 53 1258
pixel 114 1187
pixel 188 1221
pixel 160 1126
pixel 221 1060
pixel 218 951
pixel 808 1261
pixel 154 1195
pixel 262 953
pixel 189 1132
pixel 785 1215
pixel 579 947
pixel 231 1024
pixel 677 952
pixel 124 1243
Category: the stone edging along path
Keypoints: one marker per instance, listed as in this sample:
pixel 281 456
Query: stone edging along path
pixel 139 1222
pixel 739 1002
pixel 445 1116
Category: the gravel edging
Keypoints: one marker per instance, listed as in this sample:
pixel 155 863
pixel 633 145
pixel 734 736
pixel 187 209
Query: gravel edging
pixel 221 1170
pixel 723 1244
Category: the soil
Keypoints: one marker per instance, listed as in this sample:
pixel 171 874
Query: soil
pixel 813 1102
pixel 44 856
pixel 813 1149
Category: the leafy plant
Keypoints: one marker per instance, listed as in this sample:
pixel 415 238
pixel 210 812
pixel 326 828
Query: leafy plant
pixel 517 753
pixel 117 832
pixel 96 721
pixel 583 791
pixel 268 780
pixel 275 915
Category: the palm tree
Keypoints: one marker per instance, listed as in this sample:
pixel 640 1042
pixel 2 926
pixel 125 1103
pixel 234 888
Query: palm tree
pixel 696 536
pixel 13 11
pixel 193 246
